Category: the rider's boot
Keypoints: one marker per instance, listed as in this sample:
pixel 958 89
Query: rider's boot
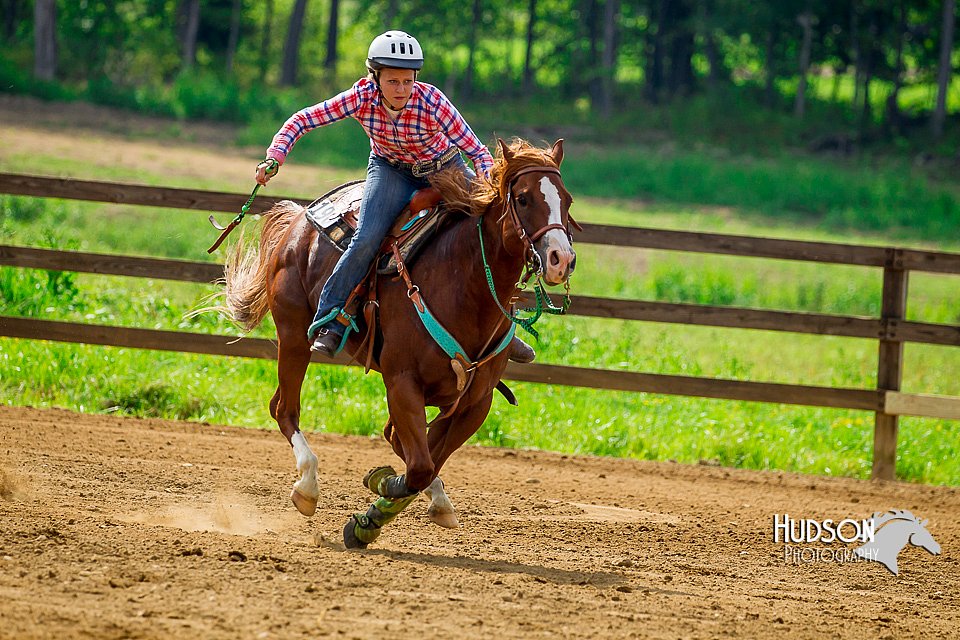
pixel 521 352
pixel 326 342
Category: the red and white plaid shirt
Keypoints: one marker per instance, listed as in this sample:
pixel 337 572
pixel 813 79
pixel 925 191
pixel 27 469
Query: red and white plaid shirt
pixel 427 126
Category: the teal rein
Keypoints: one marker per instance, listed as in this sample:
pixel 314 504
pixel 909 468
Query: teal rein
pixel 544 303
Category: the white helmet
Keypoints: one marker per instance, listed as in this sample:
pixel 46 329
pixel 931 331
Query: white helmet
pixel 396 49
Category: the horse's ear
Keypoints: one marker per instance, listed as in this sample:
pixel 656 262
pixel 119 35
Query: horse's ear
pixel 557 151
pixel 504 150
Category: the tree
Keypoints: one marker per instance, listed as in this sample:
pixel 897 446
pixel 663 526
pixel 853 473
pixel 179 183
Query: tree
pixel 45 39
pixel 14 11
pixel 610 15
pixel 265 39
pixel 527 82
pixel 330 62
pixel 472 45
pixel 234 33
pixel 190 12
pixel 806 20
pixel 943 70
pixel 291 47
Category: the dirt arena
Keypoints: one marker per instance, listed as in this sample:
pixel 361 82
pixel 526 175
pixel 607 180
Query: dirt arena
pixel 122 528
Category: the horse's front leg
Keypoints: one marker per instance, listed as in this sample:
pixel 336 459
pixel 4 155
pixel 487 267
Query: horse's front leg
pixel 405 401
pixel 446 436
pixel 441 510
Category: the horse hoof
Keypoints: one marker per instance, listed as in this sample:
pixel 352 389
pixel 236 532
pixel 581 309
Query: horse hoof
pixel 304 504
pixel 446 519
pixel 350 539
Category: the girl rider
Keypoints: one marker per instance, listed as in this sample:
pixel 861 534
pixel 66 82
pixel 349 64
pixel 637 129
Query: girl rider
pixel 414 131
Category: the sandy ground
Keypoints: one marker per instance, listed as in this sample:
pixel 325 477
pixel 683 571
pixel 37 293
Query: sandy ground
pixel 122 528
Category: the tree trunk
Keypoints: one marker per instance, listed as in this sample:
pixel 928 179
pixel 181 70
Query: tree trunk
pixel 265 39
pixel 472 44
pixel 869 59
pixel 390 14
pixel 590 78
pixel 12 13
pixel 654 71
pixel 234 34
pixel 893 100
pixel 855 53
pixel 943 72
pixel 192 27
pixel 806 21
pixel 610 14
pixel 681 37
pixel 717 72
pixel 291 47
pixel 526 85
pixel 769 89
pixel 45 39
pixel 330 62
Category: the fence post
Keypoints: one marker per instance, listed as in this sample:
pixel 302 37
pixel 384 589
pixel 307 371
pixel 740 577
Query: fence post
pixel 890 365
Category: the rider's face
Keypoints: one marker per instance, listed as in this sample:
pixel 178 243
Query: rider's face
pixel 396 84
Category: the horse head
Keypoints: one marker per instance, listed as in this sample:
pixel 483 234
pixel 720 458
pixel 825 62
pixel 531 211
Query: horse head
pixel 924 539
pixel 537 208
pixel 894 530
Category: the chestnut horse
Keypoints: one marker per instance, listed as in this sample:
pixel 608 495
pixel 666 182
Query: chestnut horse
pixel 516 220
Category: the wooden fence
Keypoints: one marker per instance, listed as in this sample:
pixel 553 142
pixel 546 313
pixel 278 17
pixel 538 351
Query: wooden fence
pixel 891 329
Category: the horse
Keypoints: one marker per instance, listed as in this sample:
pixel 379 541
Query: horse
pixel 899 528
pixel 496 230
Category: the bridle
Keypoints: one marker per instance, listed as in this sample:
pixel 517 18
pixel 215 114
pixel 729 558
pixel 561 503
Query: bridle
pixel 510 213
pixel 533 265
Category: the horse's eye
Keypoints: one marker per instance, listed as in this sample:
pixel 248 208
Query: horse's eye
pixel 522 200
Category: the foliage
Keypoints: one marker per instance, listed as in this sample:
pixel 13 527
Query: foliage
pixel 870 62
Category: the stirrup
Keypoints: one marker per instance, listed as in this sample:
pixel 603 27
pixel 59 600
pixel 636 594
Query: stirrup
pixel 340 316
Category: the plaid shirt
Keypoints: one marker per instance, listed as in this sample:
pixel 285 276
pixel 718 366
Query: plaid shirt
pixel 428 125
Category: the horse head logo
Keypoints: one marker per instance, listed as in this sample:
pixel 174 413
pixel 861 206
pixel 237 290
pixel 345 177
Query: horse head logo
pixel 893 530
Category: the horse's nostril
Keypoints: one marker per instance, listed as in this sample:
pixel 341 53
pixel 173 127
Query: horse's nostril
pixel 573 263
pixel 554 258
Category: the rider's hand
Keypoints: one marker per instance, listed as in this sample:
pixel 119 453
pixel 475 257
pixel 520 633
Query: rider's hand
pixel 266 170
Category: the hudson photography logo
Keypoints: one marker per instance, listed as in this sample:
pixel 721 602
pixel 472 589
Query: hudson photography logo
pixel 879 538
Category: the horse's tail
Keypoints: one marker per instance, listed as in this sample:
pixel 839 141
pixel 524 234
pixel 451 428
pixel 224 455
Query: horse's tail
pixel 247 266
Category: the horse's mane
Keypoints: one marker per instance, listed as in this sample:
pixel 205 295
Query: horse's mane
pixel 474 197
pixel 880 519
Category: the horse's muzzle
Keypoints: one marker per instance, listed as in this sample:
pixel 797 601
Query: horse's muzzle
pixel 559 265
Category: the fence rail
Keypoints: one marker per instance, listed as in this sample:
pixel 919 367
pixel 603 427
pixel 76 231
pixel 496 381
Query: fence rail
pixel 891 329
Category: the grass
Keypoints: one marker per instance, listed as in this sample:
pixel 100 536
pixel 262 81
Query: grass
pixel 751 435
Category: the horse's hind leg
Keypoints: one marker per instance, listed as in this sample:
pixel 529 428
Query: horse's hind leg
pixel 292 361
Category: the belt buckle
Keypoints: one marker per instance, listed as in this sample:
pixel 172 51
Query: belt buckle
pixel 419 171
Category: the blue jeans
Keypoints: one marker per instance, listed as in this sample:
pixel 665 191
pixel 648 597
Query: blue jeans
pixel 387 191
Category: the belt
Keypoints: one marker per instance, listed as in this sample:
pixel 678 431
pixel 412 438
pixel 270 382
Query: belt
pixel 421 169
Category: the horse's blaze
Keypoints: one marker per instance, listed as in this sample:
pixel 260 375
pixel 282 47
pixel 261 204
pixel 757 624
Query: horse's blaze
pixel 559 256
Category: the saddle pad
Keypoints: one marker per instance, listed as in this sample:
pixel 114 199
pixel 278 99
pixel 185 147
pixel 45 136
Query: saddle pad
pixel 334 214
pixel 414 238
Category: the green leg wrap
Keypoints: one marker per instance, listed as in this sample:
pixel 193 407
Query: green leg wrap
pixel 375 476
pixel 381 512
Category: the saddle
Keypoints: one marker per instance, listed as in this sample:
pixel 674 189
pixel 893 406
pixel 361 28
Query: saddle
pixel 336 214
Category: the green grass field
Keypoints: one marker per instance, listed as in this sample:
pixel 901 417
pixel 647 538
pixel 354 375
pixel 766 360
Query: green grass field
pixel 751 435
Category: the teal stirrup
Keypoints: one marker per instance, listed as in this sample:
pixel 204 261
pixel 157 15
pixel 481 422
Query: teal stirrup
pixel 334 313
